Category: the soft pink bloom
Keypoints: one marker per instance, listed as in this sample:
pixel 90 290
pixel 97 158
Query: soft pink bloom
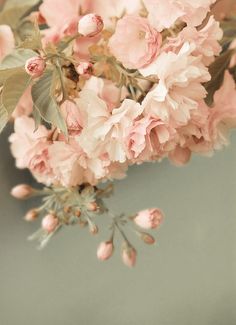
pixel 22 191
pixel 35 66
pixel 7 41
pixel 129 255
pixel 106 90
pixel 149 139
pixel 30 148
pixel 179 88
pixel 50 223
pixel 222 116
pixel 149 219
pixel 90 25
pixel 135 43
pixel 105 133
pixel 164 14
pixel 105 250
pixel 204 40
pixel 72 116
pixel 180 156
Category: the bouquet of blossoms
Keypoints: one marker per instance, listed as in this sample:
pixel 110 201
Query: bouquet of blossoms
pixel 95 86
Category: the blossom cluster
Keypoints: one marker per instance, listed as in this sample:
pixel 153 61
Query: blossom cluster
pixel 132 86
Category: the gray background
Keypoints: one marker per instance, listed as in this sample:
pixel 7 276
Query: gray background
pixel 189 278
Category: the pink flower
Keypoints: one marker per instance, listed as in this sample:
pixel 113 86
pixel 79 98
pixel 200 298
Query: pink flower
pixel 145 40
pixel 149 219
pixel 105 250
pixel 30 148
pixel 180 156
pixel 7 41
pixel 106 90
pixel 149 139
pixel 35 66
pixel 222 116
pixel 50 223
pixel 164 14
pixel 179 88
pixel 129 255
pixel 204 40
pixel 90 25
pixel 22 191
pixel 72 115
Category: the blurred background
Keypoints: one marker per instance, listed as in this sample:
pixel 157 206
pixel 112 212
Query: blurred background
pixel 188 278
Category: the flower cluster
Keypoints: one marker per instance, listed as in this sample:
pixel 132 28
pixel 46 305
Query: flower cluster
pixel 110 84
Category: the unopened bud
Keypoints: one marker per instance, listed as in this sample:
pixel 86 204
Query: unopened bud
pixel 149 219
pixel 50 223
pixel 22 191
pixel 93 229
pixel 105 250
pixel 35 66
pixel 78 213
pixel 147 238
pixel 92 206
pixel 129 255
pixel 31 215
pixel 90 25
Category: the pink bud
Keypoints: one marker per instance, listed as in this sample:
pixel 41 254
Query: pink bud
pixel 35 66
pixel 22 191
pixel 90 25
pixel 93 229
pixel 129 255
pixel 105 250
pixel 92 206
pixel 149 219
pixel 147 238
pixel 38 17
pixel 31 215
pixel 50 223
pixel 85 68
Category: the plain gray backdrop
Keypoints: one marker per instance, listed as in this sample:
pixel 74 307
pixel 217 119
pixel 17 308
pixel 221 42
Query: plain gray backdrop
pixel 188 278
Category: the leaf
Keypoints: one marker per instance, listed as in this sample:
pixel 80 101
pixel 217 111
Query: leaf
pixel 13 89
pixel 45 102
pixel 32 40
pixel 13 15
pixel 217 70
pixel 14 63
pixel 3 118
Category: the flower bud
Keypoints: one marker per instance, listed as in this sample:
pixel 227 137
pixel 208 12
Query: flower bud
pixel 35 66
pixel 85 68
pixel 93 229
pixel 129 255
pixel 105 250
pixel 78 213
pixel 92 206
pixel 149 219
pixel 50 223
pixel 22 191
pixel 31 215
pixel 147 238
pixel 90 25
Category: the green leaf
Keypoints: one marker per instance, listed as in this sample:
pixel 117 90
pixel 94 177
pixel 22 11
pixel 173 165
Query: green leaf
pixel 3 118
pixel 14 63
pixel 217 71
pixel 13 89
pixel 45 102
pixel 13 15
pixel 33 39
